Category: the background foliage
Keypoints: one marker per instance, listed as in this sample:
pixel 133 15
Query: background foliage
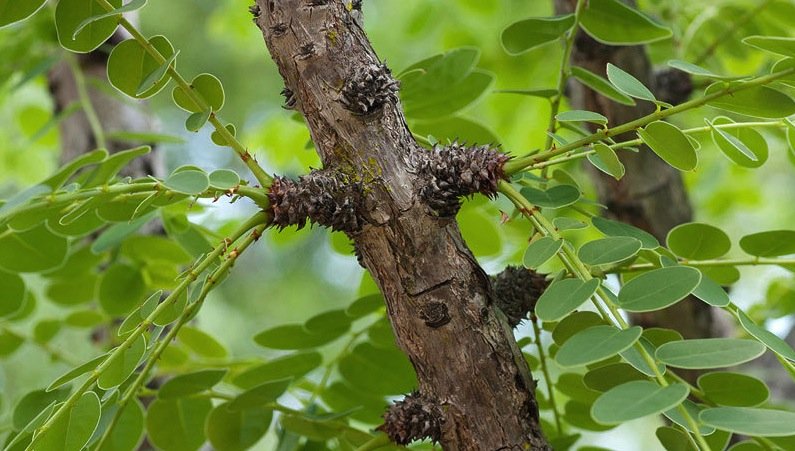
pixel 298 305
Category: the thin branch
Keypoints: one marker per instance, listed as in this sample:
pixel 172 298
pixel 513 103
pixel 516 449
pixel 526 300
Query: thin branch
pixel 729 30
pixel 85 102
pixel 522 163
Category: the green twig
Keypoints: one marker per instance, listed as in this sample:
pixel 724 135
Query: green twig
pixel 85 102
pixel 578 268
pixel 262 177
pixel 542 358
pixel 522 163
pixel 256 224
pixel 755 261
pixel 379 441
pixel 143 326
pixel 729 30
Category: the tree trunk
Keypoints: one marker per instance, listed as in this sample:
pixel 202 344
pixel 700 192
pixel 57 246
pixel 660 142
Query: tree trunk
pixel 475 390
pixel 651 195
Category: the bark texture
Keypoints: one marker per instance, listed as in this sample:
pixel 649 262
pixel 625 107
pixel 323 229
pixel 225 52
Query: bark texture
pixel 439 300
pixel 651 195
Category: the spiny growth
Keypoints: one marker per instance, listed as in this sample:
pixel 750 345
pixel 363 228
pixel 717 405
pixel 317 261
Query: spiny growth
pixel 368 89
pixel 516 291
pixel 322 197
pixel 454 171
pixel 416 417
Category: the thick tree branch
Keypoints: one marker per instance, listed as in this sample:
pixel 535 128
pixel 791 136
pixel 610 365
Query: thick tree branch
pixel 439 300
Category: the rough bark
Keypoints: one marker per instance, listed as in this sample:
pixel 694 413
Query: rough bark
pixel 651 195
pixel 440 302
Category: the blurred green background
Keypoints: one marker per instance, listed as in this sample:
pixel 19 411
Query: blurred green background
pixel 292 275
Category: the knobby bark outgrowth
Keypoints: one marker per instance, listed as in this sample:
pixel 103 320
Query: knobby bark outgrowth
pixel 397 202
pixel 651 195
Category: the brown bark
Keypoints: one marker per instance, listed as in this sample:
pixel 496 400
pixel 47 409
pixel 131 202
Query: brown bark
pixel 651 195
pixel 439 300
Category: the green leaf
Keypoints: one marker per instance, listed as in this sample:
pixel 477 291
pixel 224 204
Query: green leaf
pixel 774 44
pixel 70 14
pixel 673 439
pixel 574 323
pixel 541 250
pixel 378 370
pixel 750 421
pixel 606 160
pixel 543 93
pixel 733 389
pixel 670 144
pixel 636 399
pixel 9 343
pixel 527 34
pixel 693 409
pixel 72 430
pixel 581 116
pixel 692 69
pixel 129 64
pixel 596 343
pixel 224 179
pixel 608 250
pixel 157 76
pixel 122 366
pixel 201 343
pixel 208 87
pixel 177 424
pixel 773 243
pixel 295 336
pixel 365 305
pixel 606 377
pixel 744 146
pixel 121 289
pixel 614 23
pixel 196 121
pixel 659 288
pixel 628 84
pixel 170 313
pixel 134 5
pixel 758 101
pixel 116 233
pixel 563 297
pixel 563 223
pixel 12 295
pixel 46 329
pixel 108 169
pixel 237 430
pixel 698 241
pixel 188 182
pixel 443 84
pixel 768 338
pixel 711 292
pixel 615 228
pixel 709 352
pixel 218 139
pixel 12 11
pixel 57 180
pixel 600 85
pixel 32 403
pixel 128 432
pixel 455 128
pixel 77 372
pixel 191 383
pixel 310 428
pixel 260 395
pixel 34 250
pixel 84 319
pixel 555 197
pixel 291 365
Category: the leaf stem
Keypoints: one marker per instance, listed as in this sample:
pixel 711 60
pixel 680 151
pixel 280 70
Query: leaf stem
pixel 85 102
pixel 578 268
pixel 259 173
pixel 545 370
pixel 203 264
pixel 730 30
pixel 753 261
pixel 564 73
pixel 523 163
